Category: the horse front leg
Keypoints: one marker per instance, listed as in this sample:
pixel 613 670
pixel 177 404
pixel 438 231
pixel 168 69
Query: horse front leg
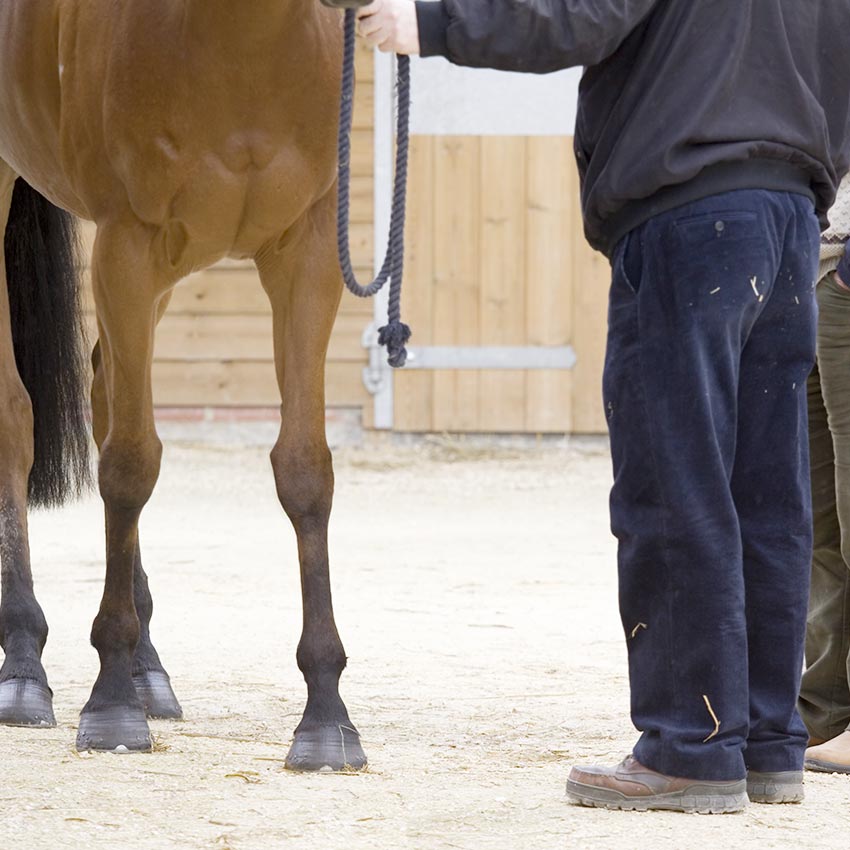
pixel 153 684
pixel 25 697
pixel 126 290
pixel 301 278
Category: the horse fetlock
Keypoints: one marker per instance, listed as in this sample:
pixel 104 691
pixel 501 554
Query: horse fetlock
pixel 321 662
pixel 23 627
pixel 115 633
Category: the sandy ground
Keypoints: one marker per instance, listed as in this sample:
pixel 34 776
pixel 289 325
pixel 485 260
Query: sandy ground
pixel 475 592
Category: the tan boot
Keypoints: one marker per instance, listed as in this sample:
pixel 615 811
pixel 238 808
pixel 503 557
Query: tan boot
pixel 831 757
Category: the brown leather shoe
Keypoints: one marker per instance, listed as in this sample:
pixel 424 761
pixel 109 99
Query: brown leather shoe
pixel 831 757
pixel 633 787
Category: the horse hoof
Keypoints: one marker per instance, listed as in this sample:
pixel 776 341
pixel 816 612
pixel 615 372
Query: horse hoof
pixel 115 729
pixel 326 748
pixel 154 690
pixel 24 702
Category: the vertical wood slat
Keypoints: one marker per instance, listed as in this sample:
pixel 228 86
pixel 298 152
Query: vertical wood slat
pixel 549 280
pixel 502 275
pixel 591 274
pixel 414 390
pixel 457 284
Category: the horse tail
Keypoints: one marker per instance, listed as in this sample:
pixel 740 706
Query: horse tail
pixel 43 277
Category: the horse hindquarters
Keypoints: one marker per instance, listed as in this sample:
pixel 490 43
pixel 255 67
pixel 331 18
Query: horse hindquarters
pixel 301 277
pixel 43 434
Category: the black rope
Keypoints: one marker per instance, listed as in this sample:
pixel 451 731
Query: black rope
pixel 395 334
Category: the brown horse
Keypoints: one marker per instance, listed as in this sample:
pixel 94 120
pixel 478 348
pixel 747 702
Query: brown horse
pixel 188 131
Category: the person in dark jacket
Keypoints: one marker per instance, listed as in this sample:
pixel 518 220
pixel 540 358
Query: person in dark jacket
pixel 710 139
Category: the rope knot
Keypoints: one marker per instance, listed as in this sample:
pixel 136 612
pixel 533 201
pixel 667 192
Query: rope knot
pixel 395 337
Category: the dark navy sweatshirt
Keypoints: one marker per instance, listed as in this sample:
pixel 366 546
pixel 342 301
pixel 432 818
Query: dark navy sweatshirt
pixel 680 99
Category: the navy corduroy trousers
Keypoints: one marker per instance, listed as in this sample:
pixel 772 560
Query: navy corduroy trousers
pixel 712 321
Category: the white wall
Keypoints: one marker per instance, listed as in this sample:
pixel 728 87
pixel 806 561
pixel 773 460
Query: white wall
pixel 448 100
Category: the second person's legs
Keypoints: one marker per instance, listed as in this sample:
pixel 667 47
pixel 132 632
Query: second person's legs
pixel 825 693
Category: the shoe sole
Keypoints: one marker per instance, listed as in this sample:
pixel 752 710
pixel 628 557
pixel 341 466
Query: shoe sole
pixel 827 767
pixel 696 799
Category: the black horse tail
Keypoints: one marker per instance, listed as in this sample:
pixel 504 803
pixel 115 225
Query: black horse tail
pixel 43 277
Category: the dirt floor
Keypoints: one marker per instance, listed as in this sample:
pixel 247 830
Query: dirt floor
pixel 475 593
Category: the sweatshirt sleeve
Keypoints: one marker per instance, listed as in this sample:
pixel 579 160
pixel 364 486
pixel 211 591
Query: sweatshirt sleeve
pixel 536 36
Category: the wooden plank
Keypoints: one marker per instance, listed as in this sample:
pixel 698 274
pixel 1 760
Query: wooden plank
pixel 177 383
pixel 364 62
pixel 549 280
pixel 502 294
pixel 185 380
pixel 200 338
pixel 362 151
pixel 363 117
pixel 351 305
pixel 362 199
pixel 591 274
pixel 456 305
pixel 234 291
pixel 414 391
pixel 220 290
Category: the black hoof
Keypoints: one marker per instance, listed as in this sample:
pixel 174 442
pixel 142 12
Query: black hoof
pixel 115 729
pixel 154 690
pixel 326 748
pixel 24 702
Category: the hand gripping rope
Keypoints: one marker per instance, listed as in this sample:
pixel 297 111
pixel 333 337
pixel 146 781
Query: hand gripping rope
pixel 395 334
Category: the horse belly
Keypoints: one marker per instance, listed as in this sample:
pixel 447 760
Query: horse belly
pixel 228 205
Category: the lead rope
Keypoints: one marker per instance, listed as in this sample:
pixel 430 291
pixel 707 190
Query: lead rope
pixel 395 334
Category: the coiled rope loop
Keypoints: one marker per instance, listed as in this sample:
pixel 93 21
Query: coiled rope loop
pixel 395 334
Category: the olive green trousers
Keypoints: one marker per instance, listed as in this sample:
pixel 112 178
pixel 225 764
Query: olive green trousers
pixel 825 692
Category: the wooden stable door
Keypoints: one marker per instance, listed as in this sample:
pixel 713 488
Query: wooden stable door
pixel 496 257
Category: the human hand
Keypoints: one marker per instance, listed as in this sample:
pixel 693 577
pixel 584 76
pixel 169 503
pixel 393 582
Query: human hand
pixel 390 25
pixel 840 282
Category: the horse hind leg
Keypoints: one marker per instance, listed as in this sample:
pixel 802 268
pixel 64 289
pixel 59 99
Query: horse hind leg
pixel 153 684
pixel 25 697
pixel 303 283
